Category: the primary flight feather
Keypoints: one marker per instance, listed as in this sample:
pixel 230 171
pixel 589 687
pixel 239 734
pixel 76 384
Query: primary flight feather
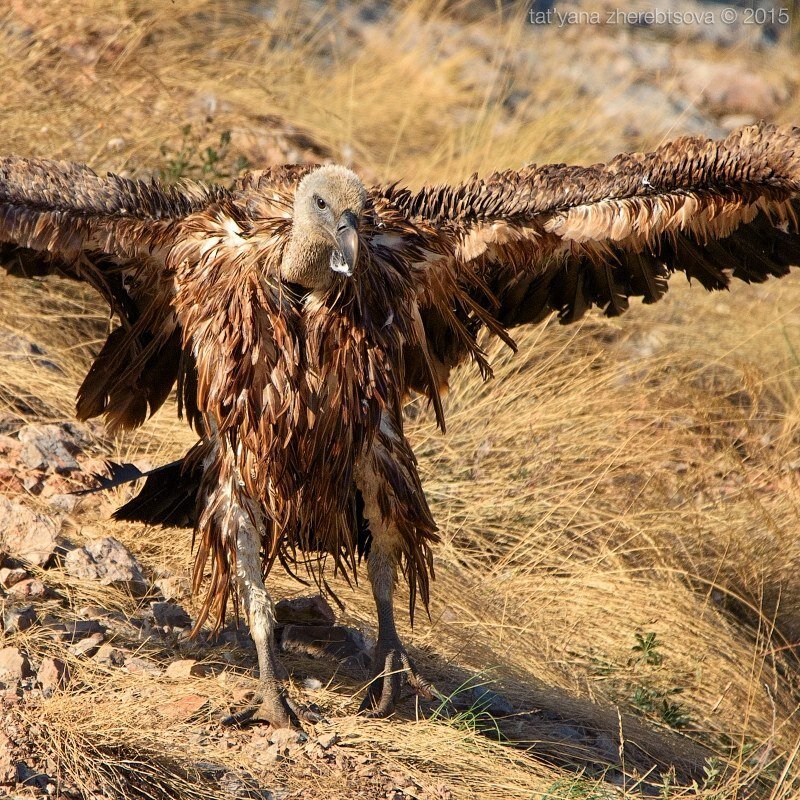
pixel 298 310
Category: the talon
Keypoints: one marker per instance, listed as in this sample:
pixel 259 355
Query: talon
pixel 305 713
pixel 274 711
pixel 391 667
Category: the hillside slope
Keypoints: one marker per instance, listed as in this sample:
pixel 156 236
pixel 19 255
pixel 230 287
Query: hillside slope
pixel 617 603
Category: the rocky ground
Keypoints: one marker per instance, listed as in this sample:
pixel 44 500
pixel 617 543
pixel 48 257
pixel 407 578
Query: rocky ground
pixel 54 464
pixel 615 606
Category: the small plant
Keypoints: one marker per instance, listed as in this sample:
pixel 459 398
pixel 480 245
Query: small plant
pixel 476 717
pixel 575 789
pixel 712 775
pixel 192 160
pixel 712 770
pixel 636 681
pixel 655 701
pixel 647 646
pixel 667 784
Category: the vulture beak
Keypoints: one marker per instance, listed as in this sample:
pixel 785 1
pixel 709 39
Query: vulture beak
pixel 347 243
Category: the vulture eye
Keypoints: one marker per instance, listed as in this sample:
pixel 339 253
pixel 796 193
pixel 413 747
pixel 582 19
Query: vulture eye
pixel 321 204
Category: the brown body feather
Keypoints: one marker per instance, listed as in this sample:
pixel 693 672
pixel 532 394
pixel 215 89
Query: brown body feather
pixel 294 394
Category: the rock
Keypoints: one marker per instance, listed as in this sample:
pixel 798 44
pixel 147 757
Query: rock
pixel 336 642
pixel 93 613
pixel 183 709
pixel 28 589
pixel 269 756
pixel 9 576
pixel 14 666
pixel 108 561
pixel 115 144
pixel 186 668
pixel 285 744
pixel 65 503
pixel 28 536
pixel 173 587
pixel 729 88
pixel 18 619
pixel 26 776
pixel 170 615
pixel 14 347
pixel 327 740
pixel 53 448
pixel 8 761
pixel 312 610
pixel 110 655
pixel 87 646
pixel 287 738
pixel 137 665
pixel 74 630
pixel 32 484
pixel 51 675
pixel 483 699
pixel 236 783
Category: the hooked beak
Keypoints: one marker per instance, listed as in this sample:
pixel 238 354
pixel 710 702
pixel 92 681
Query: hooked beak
pixel 347 243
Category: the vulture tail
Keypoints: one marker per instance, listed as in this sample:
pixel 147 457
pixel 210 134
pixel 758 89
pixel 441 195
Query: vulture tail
pixel 168 497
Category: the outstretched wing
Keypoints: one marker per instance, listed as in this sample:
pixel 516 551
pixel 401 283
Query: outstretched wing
pixel 563 239
pixel 114 234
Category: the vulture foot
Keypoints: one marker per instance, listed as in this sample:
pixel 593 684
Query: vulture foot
pixel 391 666
pixel 272 708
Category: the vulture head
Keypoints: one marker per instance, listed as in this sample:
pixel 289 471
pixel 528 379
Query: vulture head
pixel 324 242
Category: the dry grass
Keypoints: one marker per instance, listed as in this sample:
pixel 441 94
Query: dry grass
pixel 617 478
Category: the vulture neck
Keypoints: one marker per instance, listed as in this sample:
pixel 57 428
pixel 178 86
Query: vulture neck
pixel 307 260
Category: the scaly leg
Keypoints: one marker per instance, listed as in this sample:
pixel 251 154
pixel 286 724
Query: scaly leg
pixel 271 704
pixel 391 664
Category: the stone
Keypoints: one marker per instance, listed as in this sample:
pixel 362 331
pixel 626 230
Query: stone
pixel 142 666
pixel 52 675
pixel 14 347
pixel 239 784
pixel 53 448
pixel 327 740
pixel 269 756
pixel 30 537
pixel 336 642
pixel 115 144
pixel 310 610
pixel 28 589
pixel 9 576
pixel 65 503
pixel 26 776
pixel 8 761
pixel 18 619
pixel 493 702
pixel 74 630
pixel 186 668
pixel 184 708
pixel 286 737
pixel 110 655
pixel 14 666
pixel 173 587
pixel 108 561
pixel 729 88
pixel 87 646
pixel 170 615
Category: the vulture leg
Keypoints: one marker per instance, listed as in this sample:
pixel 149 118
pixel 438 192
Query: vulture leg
pixel 270 705
pixel 391 664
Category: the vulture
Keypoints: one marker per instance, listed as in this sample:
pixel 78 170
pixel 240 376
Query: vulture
pixel 296 312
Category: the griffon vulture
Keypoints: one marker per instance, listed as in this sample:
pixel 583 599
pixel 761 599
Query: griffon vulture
pixel 297 311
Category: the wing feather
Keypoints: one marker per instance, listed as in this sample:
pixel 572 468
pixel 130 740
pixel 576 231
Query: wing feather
pixel 562 238
pixel 112 233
